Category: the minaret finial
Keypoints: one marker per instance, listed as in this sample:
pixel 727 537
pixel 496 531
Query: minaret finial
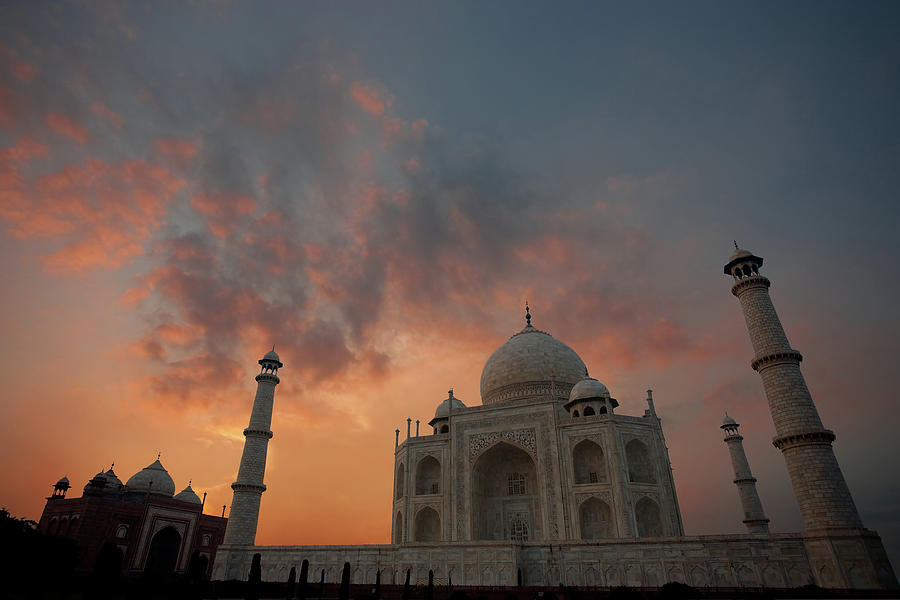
pixel 527 313
pixel 735 244
pixel 158 454
pixel 273 347
pixel 450 393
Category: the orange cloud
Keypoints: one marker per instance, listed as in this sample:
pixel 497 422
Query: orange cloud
pixel 133 296
pixel 223 211
pixel 102 213
pixel 176 148
pixel 368 98
pixel 395 129
pixel 24 71
pixel 179 334
pixel 147 348
pixel 104 112
pixel 63 125
pixel 25 149
pixel 198 380
pixel 17 67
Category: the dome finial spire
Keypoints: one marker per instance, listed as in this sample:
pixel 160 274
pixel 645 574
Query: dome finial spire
pixel 527 314
pixel 735 245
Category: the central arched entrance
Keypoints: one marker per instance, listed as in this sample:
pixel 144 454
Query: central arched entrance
pixel 163 553
pixel 505 496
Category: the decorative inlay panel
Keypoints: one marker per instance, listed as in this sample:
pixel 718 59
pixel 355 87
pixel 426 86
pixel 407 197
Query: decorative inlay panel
pixel 601 494
pixel 576 439
pixel 432 505
pixel 524 438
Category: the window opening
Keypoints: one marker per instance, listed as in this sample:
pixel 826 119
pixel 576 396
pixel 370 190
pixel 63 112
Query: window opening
pixel 518 527
pixel 516 484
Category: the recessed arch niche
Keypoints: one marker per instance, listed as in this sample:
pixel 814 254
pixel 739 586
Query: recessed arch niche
pixel 505 497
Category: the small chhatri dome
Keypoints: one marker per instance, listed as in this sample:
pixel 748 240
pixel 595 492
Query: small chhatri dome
pixel 741 255
pixel 162 482
pixel 112 479
pixel 443 409
pixel 104 481
pixel 188 495
pixel 271 356
pixel 728 421
pixel 588 388
pixel 63 481
pixel 530 356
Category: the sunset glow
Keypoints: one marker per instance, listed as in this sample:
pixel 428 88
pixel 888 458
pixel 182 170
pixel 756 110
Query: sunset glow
pixel 378 189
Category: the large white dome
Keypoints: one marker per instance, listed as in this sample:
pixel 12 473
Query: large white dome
pixel 525 366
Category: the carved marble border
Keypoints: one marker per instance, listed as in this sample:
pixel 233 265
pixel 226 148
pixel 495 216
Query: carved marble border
pixel 604 495
pixel 481 442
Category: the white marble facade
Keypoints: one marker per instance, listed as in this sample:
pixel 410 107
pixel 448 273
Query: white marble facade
pixel 544 458
pixel 527 470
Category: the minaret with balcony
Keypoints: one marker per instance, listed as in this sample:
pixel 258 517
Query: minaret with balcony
pixel 249 486
pixel 754 518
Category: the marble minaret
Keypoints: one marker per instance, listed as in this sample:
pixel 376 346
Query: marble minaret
pixel 754 517
pixel 249 486
pixel 819 486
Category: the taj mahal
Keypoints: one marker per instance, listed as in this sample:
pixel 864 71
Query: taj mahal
pixel 547 483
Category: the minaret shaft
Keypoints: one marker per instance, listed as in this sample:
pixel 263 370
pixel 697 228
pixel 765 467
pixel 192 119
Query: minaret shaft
pixel 249 486
pixel 778 364
pixel 818 483
pixel 754 517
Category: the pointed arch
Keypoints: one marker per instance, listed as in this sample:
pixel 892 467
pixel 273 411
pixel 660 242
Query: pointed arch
pixel 649 522
pixel 595 519
pixel 398 528
pixel 505 499
pixel 428 476
pixel 640 468
pixel 588 462
pixel 400 483
pixel 163 554
pixel 428 525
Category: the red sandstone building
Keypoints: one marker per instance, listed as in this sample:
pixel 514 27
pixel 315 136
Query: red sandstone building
pixel 142 525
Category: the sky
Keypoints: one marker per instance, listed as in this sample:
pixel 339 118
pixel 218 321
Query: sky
pixel 377 188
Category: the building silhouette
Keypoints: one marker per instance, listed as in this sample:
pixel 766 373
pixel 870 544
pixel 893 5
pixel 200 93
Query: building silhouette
pixel 142 525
